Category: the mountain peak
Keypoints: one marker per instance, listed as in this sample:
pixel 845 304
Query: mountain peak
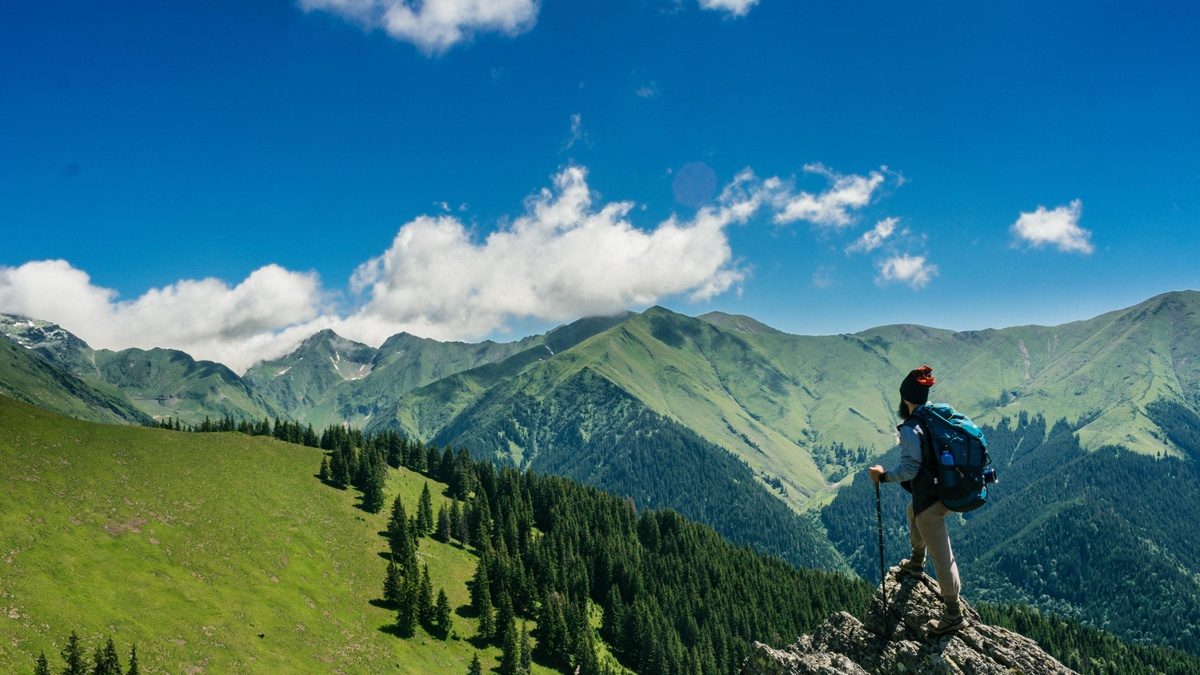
pixel 896 638
pixel 323 335
pixel 738 322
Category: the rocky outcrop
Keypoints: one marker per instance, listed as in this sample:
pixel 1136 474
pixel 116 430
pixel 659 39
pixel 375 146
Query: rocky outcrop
pixel 895 639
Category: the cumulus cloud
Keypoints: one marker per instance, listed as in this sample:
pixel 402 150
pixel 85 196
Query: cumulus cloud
pixel 566 256
pixel 913 270
pixel 434 26
pixel 261 316
pixel 832 208
pixel 874 237
pixel 734 7
pixel 1058 227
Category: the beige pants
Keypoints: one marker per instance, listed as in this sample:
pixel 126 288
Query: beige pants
pixel 928 531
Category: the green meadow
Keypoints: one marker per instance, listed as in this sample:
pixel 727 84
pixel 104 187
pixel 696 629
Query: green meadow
pixel 214 553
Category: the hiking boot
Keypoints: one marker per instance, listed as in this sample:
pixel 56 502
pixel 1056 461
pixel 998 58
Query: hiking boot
pixel 914 565
pixel 952 619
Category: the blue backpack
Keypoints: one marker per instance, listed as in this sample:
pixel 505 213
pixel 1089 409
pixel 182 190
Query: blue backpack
pixel 957 457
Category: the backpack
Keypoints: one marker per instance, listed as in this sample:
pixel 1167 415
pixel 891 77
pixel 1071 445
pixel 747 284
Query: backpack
pixel 957 458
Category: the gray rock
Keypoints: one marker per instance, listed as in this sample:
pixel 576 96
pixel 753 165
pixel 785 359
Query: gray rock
pixel 895 638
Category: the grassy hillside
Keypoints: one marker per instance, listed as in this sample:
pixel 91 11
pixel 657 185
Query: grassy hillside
pixel 169 383
pixel 212 552
pixel 27 377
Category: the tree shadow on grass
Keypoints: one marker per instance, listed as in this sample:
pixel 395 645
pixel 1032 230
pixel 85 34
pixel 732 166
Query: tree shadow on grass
pixel 466 612
pixel 383 604
pixel 477 642
pixel 391 629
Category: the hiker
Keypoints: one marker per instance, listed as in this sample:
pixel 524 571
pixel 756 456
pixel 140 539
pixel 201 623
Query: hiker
pixel 926 512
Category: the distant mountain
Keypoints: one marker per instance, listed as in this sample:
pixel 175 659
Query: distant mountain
pixel 25 376
pixel 803 411
pixel 158 383
pixel 169 383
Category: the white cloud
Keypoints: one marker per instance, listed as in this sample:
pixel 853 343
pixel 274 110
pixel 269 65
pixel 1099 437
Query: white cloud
pixel 874 237
pixel 648 90
pixel 578 135
pixel 565 257
pixel 434 26
pixel 568 254
pixel 831 208
pixel 913 270
pixel 206 318
pixel 1058 227
pixel 734 7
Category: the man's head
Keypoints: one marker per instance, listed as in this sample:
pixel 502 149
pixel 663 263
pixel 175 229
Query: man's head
pixel 914 390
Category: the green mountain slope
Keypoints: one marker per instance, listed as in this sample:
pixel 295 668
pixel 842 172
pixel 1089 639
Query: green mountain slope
pixel 212 552
pixel 27 377
pixel 169 383
pixel 160 383
pixel 329 379
pixel 589 429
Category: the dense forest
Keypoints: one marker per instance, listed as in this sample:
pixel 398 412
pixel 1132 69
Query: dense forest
pixel 674 596
pixel 1065 530
pixel 1086 649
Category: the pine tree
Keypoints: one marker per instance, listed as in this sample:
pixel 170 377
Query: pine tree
pixel 526 662
pixel 442 533
pixel 99 666
pixel 456 523
pixel 43 667
pixel 392 584
pixel 510 652
pixel 476 668
pixel 487 618
pixel 505 619
pixel 324 473
pixel 72 654
pixel 441 614
pixel 400 539
pixel 133 664
pixel 406 612
pixel 373 492
pixel 106 660
pixel 425 512
pixel 425 598
pixel 339 473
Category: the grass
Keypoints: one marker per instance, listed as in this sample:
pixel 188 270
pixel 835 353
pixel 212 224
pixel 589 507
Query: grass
pixel 212 552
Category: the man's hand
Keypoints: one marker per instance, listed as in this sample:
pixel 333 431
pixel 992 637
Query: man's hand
pixel 876 472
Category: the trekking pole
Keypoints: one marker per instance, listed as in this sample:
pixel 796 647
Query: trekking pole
pixel 879 522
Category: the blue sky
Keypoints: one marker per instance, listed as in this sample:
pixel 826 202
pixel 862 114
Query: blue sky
pixel 248 158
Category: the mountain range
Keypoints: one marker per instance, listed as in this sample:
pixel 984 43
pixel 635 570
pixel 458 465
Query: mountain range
pixel 799 410
pixel 757 432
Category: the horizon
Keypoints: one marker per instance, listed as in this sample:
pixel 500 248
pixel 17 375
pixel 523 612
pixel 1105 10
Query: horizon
pixel 632 312
pixel 225 180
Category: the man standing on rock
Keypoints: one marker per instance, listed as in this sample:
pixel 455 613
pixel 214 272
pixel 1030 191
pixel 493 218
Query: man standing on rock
pixel 926 512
